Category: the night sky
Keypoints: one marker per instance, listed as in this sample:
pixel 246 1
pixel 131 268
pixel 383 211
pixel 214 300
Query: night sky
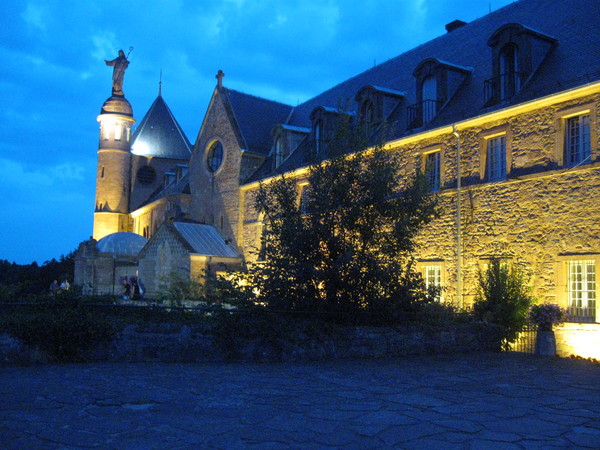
pixel 54 81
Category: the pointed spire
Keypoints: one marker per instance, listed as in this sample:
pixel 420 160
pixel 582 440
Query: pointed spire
pixel 160 84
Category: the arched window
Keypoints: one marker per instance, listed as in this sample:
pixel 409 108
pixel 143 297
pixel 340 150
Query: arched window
pixel 429 93
pixel 510 81
pixel 318 136
pixel 214 157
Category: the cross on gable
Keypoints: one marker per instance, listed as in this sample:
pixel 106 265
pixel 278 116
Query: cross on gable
pixel 219 76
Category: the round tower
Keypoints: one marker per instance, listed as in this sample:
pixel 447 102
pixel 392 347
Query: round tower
pixel 114 167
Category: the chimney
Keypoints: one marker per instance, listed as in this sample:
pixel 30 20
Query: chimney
pixel 455 25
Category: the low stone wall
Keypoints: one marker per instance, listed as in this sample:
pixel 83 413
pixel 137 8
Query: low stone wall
pixel 579 339
pixel 182 343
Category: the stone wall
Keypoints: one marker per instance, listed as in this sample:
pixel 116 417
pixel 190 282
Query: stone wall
pixel 182 343
pixel 543 215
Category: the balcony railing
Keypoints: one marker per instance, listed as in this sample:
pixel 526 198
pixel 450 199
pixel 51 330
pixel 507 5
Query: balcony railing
pixel 421 113
pixel 501 87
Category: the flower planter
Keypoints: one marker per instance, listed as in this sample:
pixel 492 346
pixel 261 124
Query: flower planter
pixel 545 343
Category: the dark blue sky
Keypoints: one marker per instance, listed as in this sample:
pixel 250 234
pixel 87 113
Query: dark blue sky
pixel 54 81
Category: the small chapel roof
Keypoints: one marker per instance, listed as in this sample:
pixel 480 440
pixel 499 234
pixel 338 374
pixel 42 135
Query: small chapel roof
pixel 204 239
pixel 159 134
pixel 121 243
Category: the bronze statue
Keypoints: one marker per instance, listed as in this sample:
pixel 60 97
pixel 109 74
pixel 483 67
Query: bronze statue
pixel 120 64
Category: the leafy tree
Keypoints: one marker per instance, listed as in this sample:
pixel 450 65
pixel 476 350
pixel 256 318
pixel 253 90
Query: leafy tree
pixel 346 246
pixel 503 297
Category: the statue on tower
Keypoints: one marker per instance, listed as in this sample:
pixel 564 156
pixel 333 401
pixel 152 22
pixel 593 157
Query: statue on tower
pixel 120 64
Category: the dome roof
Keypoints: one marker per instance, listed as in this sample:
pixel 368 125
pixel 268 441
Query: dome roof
pixel 123 243
pixel 117 105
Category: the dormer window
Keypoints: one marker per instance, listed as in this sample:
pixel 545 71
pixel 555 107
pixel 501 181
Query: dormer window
pixel 367 116
pixel 437 81
pixel 430 98
pixel 318 136
pixel 510 81
pixel 286 139
pixel 169 178
pixel 280 153
pixel 517 52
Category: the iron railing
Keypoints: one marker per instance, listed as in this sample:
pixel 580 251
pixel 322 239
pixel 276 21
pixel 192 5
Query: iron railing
pixel 501 88
pixel 421 113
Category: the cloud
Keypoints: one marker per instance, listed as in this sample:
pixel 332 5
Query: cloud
pixel 35 16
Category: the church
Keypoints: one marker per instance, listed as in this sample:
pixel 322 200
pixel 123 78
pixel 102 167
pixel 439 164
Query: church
pixel 501 113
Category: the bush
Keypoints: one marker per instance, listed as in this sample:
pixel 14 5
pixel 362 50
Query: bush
pixel 65 329
pixel 503 297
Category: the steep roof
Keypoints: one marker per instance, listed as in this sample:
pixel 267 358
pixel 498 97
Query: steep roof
pixel 204 239
pixel 159 134
pixel 571 62
pixel 255 118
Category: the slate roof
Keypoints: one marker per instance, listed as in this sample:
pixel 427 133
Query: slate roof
pixel 255 118
pixel 204 240
pixel 572 62
pixel 159 134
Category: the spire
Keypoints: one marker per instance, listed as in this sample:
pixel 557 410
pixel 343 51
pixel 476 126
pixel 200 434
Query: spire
pixel 219 76
pixel 160 84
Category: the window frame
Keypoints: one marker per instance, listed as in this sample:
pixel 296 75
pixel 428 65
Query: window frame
pixel 426 155
pixel 564 286
pixel 484 138
pixel 560 144
pixel 208 158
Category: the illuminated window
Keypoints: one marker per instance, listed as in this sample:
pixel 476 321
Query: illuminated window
pixel 432 170
pixel 433 278
pixel 496 158
pixel 118 131
pixel 582 288
pixel 106 132
pixel 577 139
pixel 128 133
pixel 214 157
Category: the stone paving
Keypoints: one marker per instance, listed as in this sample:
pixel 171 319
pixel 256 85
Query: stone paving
pixel 479 400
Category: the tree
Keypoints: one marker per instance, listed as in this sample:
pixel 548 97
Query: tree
pixel 503 297
pixel 347 245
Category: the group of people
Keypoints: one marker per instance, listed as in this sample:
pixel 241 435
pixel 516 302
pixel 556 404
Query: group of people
pixel 131 289
pixel 56 288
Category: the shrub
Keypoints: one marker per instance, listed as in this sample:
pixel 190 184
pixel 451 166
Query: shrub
pixel 503 297
pixel 64 329
pixel 545 315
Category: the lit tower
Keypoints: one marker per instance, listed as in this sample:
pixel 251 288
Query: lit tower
pixel 114 158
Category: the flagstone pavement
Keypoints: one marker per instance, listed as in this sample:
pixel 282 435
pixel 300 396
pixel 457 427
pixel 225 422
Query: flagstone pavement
pixel 478 401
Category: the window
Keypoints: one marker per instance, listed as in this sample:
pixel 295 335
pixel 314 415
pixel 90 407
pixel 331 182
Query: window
pixel 432 170
pixel 304 199
pixel 279 152
pixel 367 116
pixel 430 103
pixel 582 289
pixel 577 139
pixel 118 131
pixel 496 158
pixel 433 279
pixel 318 136
pixel 214 157
pixel 106 132
pixel 510 81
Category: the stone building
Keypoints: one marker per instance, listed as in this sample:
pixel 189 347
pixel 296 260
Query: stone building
pixel 503 113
